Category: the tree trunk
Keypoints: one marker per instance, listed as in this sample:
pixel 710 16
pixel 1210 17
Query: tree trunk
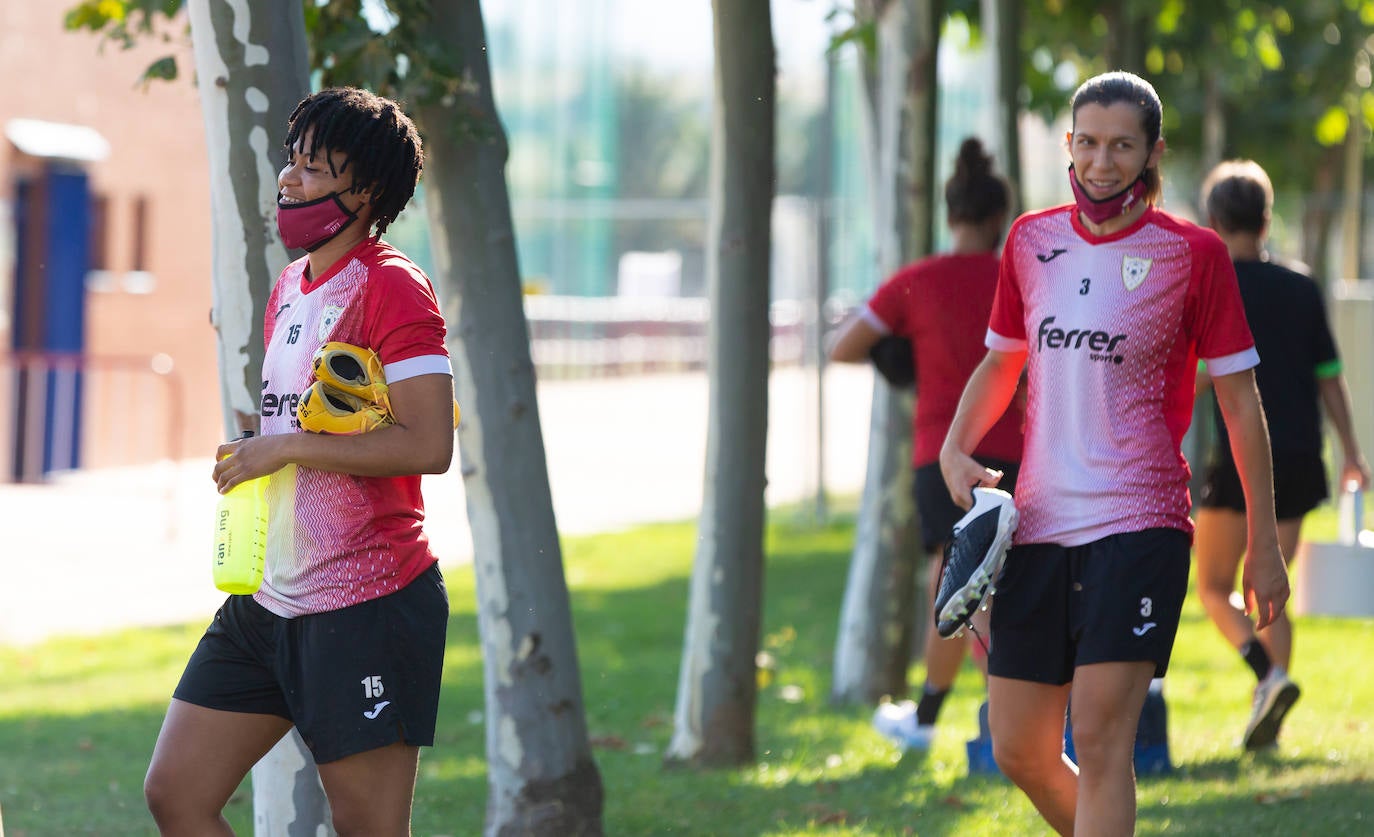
pixel 717 691
pixel 881 606
pixel 1352 199
pixel 251 71
pixel 1002 29
pixel 1319 213
pixel 1213 127
pixel 1129 28
pixel 542 777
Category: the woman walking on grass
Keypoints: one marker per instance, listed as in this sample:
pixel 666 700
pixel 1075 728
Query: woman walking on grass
pixel 1107 303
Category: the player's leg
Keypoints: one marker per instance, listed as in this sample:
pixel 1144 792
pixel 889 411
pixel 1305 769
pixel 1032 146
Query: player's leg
pixel 1275 693
pixel 1219 543
pixel 1278 635
pixel 1127 599
pixel 227 711
pixel 199 760
pixel 943 656
pixel 1107 699
pixel 911 724
pixel 1027 724
pixel 1029 671
pixel 374 672
pixel 371 793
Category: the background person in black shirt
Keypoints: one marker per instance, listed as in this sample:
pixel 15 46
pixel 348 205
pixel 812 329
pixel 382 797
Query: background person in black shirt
pixel 1299 375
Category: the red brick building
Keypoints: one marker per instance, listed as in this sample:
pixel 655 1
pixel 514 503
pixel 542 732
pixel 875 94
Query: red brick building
pixel 148 382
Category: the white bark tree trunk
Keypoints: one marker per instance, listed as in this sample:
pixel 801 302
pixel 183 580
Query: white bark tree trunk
pixel 875 636
pixel 542 777
pixel 251 71
pixel 717 688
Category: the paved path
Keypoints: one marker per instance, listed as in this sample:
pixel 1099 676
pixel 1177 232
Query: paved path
pixel 99 550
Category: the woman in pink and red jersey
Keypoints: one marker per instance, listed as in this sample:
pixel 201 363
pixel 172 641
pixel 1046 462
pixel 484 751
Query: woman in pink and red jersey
pixel 941 305
pixel 1107 303
pixel 345 640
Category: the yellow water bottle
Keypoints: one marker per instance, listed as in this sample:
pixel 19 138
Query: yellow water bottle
pixel 241 536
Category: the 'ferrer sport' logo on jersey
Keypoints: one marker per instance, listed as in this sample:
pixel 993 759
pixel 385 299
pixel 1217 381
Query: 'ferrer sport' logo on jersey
pixel 1100 345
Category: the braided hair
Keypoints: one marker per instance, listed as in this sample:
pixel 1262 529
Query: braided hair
pixel 973 193
pixel 376 138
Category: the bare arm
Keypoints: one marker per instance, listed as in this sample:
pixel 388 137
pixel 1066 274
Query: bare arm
pixel 1264 580
pixel 852 342
pixel 1336 401
pixel 420 442
pixel 1203 381
pixel 986 396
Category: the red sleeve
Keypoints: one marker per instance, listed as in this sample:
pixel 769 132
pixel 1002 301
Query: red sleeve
pixel 405 321
pixel 1008 316
pixel 892 301
pixel 1218 313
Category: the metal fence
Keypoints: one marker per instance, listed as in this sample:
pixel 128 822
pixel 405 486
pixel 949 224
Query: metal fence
pixel 598 336
pixel 67 410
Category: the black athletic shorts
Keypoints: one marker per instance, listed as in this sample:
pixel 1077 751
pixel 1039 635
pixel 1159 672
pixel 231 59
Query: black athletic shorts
pixel 938 511
pixel 1299 485
pixel 1117 599
pixel 351 680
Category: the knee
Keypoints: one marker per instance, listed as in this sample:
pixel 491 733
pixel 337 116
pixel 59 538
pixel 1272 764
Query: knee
pixel 160 797
pixel 1213 591
pixel 1099 741
pixel 1023 765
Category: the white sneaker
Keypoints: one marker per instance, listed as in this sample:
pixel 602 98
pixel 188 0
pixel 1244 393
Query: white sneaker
pixel 1274 696
pixel 897 723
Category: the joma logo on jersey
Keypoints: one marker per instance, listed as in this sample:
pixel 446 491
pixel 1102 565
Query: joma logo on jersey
pixel 1101 346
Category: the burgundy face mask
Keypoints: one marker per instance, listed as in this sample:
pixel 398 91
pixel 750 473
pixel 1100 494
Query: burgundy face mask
pixel 311 225
pixel 1110 207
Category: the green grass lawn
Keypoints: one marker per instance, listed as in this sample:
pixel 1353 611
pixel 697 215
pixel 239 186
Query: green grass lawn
pixel 78 718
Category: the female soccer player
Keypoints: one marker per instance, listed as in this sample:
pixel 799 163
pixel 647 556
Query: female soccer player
pixel 1107 303
pixel 345 640
pixel 941 304
pixel 1298 380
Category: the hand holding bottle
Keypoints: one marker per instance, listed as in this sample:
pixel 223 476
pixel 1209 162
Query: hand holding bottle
pixel 241 536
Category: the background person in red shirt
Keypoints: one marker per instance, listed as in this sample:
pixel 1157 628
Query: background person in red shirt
pixel 940 304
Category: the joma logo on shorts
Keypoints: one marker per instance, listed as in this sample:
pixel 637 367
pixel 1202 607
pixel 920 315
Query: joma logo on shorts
pixel 1100 345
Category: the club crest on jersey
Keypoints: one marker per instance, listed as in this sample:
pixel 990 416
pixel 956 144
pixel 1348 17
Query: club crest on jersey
pixel 1134 270
pixel 331 315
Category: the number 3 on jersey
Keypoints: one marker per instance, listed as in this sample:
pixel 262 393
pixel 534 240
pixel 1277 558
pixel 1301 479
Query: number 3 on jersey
pixel 1083 289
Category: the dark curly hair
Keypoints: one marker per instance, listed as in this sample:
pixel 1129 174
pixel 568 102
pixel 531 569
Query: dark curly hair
pixel 974 194
pixel 378 141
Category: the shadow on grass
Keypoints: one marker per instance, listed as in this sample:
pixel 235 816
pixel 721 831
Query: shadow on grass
pixel 1327 808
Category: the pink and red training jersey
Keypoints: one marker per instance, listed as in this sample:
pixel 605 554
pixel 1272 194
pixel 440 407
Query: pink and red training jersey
pixel 941 304
pixel 1113 327
pixel 338 539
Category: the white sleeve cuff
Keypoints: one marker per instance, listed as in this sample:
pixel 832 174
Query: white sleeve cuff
pixel 866 314
pixel 998 343
pixel 1230 364
pixel 413 367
